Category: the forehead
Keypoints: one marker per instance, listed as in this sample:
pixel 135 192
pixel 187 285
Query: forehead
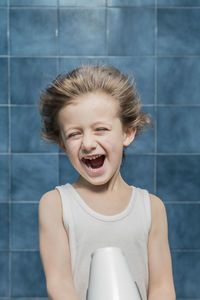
pixel 88 108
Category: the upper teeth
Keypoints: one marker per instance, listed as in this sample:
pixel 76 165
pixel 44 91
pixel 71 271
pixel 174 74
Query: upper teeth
pixel 93 157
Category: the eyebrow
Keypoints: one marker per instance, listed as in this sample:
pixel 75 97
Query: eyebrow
pixel 95 123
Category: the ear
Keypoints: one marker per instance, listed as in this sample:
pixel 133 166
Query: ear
pixel 129 135
pixel 61 144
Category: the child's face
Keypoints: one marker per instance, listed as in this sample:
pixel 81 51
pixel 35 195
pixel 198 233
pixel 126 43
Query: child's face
pixel 90 126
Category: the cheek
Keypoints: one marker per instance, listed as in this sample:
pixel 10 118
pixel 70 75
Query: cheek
pixel 71 147
pixel 111 145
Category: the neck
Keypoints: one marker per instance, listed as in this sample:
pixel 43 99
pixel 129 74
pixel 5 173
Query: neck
pixel 114 185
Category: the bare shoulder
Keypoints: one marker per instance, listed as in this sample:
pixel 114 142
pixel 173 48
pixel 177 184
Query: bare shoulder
pixel 158 211
pixel 50 204
pixel 157 204
pixel 50 196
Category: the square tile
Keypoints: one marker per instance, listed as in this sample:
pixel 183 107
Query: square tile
pixel 29 76
pixel 33 3
pixel 4 226
pixel 33 31
pixel 178 177
pixel 4 81
pixel 178 32
pixel 181 88
pixel 131 31
pixel 24 226
pixel 3 129
pixel 25 131
pixel 186 267
pixel 77 36
pixel 32 176
pixel 181 218
pixel 3 30
pixel 143 70
pixel 138 170
pixel 131 2
pixel 23 281
pixel 4 182
pixel 82 2
pixel 176 129
pixel 4 274
pixel 3 2
pixel 144 142
pixel 178 2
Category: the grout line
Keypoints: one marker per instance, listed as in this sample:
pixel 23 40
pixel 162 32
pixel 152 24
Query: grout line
pixel 178 7
pixel 20 201
pixel 60 6
pixel 9 158
pixel 182 202
pixel 57 36
pixel 107 30
pixel 153 6
pixel 128 153
pixel 185 250
pixel 101 56
pixel 20 250
pixel 155 99
pixel 100 6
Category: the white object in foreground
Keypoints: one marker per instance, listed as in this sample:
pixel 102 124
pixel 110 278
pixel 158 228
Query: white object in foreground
pixel 110 277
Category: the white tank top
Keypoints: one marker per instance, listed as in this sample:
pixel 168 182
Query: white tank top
pixel 88 230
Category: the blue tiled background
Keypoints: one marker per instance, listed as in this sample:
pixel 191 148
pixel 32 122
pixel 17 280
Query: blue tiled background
pixel 158 41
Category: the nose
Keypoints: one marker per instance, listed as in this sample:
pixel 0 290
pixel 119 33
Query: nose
pixel 88 143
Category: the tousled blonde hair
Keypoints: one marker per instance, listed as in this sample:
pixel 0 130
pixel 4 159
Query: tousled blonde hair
pixel 85 79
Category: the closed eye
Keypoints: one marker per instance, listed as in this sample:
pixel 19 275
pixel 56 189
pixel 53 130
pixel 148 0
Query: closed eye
pixel 98 129
pixel 101 128
pixel 73 134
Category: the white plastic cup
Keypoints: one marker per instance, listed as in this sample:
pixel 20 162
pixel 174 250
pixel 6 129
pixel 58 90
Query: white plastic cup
pixel 110 277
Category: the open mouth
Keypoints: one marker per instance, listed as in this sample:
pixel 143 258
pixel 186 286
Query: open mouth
pixel 94 163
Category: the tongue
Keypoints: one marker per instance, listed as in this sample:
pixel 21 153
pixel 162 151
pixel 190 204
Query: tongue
pixel 97 163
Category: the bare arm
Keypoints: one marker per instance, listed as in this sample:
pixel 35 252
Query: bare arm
pixel 161 285
pixel 54 249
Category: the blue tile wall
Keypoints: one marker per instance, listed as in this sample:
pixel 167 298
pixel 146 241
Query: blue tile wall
pixel 77 23
pixel 176 129
pixel 33 3
pixel 33 31
pixel 4 175
pixel 4 31
pixel 179 3
pixel 4 3
pixel 29 76
pixel 4 273
pixel 131 31
pixel 27 273
pixel 4 129
pixel 4 81
pixel 183 177
pixel 131 2
pixel 185 87
pixel 158 41
pixel 182 39
pixel 82 2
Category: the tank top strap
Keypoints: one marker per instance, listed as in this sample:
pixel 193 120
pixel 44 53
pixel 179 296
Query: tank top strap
pixel 66 207
pixel 145 198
